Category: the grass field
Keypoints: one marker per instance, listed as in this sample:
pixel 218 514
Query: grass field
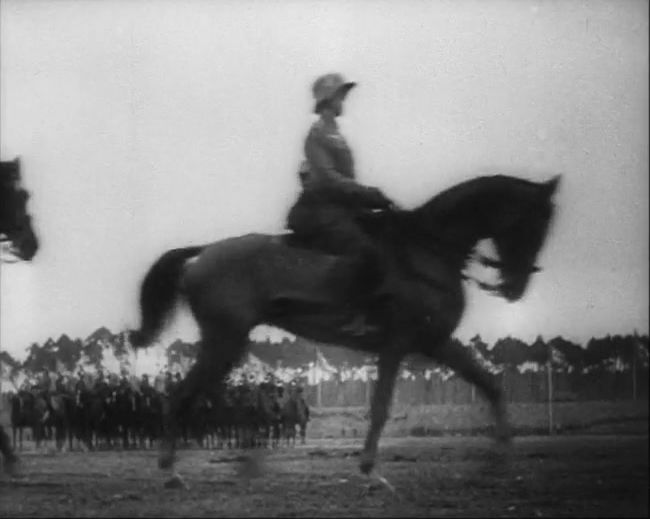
pixel 439 420
pixel 579 476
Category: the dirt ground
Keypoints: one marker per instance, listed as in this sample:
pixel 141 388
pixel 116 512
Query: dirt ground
pixel 586 476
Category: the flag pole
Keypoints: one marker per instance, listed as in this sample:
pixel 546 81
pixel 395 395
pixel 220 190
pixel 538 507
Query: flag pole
pixel 1 373
pixel 634 355
pixel 319 387
pixel 549 371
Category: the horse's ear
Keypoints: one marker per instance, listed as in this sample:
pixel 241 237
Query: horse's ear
pixel 551 186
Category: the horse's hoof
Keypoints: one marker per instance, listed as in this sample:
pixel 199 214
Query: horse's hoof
pixel 366 464
pixel 11 467
pixel 165 461
pixel 176 481
pixel 504 437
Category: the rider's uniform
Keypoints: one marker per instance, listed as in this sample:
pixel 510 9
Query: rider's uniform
pixel 327 209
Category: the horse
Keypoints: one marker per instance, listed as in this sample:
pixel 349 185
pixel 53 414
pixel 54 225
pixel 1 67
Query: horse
pixel 21 416
pixel 15 221
pixel 16 229
pixel 295 412
pixel 61 409
pixel 224 415
pixel 150 409
pixel 268 415
pixel 237 283
pixel 30 409
pixel 126 409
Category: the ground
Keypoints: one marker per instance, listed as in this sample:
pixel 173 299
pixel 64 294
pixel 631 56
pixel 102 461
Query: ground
pixel 586 476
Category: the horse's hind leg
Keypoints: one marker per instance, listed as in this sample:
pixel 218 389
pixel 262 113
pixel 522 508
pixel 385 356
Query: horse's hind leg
pixel 462 362
pixel 303 432
pixel 10 458
pixel 221 348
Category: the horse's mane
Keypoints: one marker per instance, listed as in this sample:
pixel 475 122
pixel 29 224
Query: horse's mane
pixel 472 191
pixel 9 173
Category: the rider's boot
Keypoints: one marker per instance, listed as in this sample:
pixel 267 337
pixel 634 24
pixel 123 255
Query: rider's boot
pixel 371 305
pixel 359 326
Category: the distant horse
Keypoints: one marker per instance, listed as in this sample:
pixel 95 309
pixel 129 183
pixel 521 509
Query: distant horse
pixel 81 422
pixel 29 409
pixel 238 283
pixel 61 409
pixel 150 410
pixel 295 413
pixel 126 415
pixel 96 425
pixel 268 416
pixel 224 417
pixel 22 412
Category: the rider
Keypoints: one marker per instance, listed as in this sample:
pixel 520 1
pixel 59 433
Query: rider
pixel 326 213
pixel 101 386
pixel 169 383
pixel 146 389
pixel 80 384
pixel 45 383
pixel 125 384
pixel 60 385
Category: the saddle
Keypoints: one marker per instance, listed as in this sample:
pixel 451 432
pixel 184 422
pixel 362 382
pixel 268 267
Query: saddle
pixel 326 283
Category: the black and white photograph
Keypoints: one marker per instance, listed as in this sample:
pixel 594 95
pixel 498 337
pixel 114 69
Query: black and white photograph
pixel 310 258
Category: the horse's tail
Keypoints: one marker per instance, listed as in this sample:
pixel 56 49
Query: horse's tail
pixel 158 294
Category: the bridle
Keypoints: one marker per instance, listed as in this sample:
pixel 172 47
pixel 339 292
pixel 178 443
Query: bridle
pixel 486 261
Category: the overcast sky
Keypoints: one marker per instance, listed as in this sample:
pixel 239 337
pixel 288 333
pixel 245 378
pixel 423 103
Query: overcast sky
pixel 148 125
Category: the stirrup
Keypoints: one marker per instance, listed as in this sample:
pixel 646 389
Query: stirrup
pixel 359 327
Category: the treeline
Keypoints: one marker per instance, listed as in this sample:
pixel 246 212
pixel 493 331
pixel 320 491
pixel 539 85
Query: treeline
pixel 612 353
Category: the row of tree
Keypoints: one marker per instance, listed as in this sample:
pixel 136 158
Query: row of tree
pixel 613 353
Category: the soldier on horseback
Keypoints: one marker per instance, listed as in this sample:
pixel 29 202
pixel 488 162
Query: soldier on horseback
pixel 326 214
pixel 101 386
pixel 80 384
pixel 169 383
pixel 60 385
pixel 146 389
pixel 44 384
pixel 125 384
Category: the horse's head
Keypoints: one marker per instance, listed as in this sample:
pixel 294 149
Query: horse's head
pixel 518 233
pixel 513 212
pixel 15 221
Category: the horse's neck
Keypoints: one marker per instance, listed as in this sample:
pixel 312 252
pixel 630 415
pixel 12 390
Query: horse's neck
pixel 454 221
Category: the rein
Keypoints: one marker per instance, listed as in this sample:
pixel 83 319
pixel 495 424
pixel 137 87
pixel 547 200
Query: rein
pixel 450 248
pixel 496 264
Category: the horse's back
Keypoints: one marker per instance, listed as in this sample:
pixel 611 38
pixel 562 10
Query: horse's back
pixel 222 257
pixel 254 267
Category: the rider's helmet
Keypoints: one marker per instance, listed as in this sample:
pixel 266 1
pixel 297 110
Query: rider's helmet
pixel 327 86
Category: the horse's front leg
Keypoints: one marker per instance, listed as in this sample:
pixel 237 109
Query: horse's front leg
pixel 463 362
pixel 387 367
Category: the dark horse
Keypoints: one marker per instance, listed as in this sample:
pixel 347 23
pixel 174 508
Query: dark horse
pixel 15 221
pixel 16 229
pixel 238 283
pixel 295 413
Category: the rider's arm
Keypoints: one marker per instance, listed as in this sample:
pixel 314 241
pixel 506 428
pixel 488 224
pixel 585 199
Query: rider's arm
pixel 324 174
